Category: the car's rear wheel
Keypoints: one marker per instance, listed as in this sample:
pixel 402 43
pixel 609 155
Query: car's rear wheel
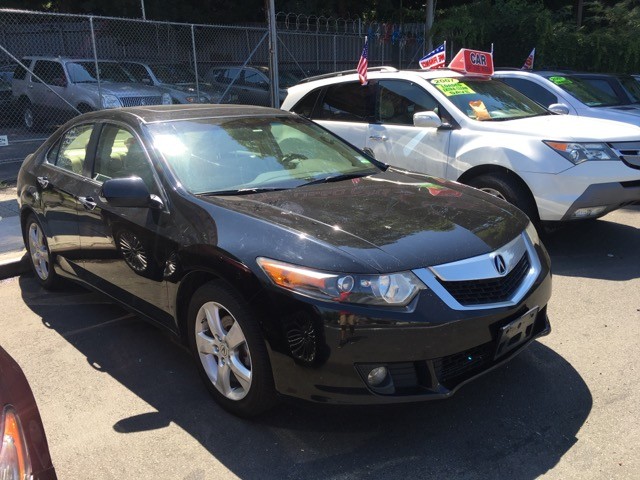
pixel 503 186
pixel 230 351
pixel 39 253
pixel 30 119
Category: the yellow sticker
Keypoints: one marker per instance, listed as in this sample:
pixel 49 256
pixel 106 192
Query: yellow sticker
pixel 455 89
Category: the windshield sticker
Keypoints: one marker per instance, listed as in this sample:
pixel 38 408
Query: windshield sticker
pixel 444 81
pixel 560 80
pixel 480 110
pixel 455 89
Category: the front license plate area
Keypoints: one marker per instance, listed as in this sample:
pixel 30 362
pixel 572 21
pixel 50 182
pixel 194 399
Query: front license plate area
pixel 517 332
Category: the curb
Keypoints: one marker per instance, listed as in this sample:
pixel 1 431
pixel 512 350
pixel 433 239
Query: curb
pixel 14 265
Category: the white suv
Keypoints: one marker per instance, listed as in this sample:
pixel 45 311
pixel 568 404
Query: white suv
pixel 483 133
pixel 71 87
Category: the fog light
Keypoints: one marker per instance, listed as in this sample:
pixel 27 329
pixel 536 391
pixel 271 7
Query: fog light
pixel 588 212
pixel 377 375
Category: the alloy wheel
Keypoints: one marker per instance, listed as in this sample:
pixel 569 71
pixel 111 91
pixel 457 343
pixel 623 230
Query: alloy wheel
pixel 223 351
pixel 39 251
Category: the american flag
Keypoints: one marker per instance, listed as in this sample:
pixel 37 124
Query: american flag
pixel 364 63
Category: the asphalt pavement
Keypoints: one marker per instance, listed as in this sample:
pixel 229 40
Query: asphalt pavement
pixel 119 399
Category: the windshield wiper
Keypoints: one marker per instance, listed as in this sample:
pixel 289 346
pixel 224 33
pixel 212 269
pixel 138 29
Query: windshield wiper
pixel 242 191
pixel 335 178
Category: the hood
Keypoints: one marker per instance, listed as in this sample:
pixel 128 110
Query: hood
pixel 122 89
pixel 621 113
pixel 388 221
pixel 567 127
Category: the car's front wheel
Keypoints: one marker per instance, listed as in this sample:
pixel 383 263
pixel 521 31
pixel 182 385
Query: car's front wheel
pixel 503 186
pixel 39 253
pixel 230 351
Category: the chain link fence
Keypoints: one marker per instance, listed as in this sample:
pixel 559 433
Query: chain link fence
pixel 55 66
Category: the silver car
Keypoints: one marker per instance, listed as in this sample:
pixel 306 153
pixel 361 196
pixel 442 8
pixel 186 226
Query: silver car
pixel 56 88
pixel 179 81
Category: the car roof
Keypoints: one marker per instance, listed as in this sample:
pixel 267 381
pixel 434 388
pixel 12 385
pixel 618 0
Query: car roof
pixel 163 113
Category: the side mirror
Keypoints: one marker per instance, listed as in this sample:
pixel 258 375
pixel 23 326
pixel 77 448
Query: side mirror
pixel 427 119
pixel 129 192
pixel 58 82
pixel 559 108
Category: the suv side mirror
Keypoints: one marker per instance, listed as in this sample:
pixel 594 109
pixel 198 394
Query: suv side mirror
pixel 559 108
pixel 427 119
pixel 129 192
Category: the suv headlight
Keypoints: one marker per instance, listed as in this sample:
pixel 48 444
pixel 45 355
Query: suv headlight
pixel 581 152
pixel 110 101
pixel 393 289
pixel 166 99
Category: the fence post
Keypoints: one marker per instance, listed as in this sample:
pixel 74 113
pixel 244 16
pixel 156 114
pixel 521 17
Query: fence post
pixel 273 55
pixel 335 68
pixel 195 62
pixel 95 59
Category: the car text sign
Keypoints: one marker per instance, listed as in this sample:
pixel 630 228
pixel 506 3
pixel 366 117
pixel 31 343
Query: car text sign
pixel 473 62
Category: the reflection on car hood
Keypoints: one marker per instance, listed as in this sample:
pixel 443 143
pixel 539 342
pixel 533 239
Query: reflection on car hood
pixel 122 89
pixel 390 221
pixel 567 127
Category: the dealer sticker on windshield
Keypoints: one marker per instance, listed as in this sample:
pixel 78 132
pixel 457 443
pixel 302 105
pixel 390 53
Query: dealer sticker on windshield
pixel 452 86
pixel 560 80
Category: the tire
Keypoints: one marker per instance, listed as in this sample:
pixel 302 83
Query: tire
pixel 230 351
pixel 504 186
pixel 39 254
pixel 30 119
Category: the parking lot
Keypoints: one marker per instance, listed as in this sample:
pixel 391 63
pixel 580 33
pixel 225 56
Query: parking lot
pixel 120 400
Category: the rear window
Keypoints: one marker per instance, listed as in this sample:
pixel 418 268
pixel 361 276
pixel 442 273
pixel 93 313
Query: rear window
pixel 350 102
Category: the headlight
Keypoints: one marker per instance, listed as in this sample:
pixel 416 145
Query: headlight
pixel 533 234
pixel 581 152
pixel 166 99
pixel 396 289
pixel 110 101
pixel 14 457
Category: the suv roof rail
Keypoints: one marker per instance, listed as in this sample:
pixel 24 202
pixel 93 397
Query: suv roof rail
pixel 383 68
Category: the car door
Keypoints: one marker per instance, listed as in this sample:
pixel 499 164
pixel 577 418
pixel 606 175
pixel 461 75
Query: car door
pixel 346 109
pixel 60 178
pixel 394 139
pixel 123 251
pixel 48 95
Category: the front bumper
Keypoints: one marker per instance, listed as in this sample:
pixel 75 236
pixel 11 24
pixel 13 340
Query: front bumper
pixel 429 349
pixel 609 184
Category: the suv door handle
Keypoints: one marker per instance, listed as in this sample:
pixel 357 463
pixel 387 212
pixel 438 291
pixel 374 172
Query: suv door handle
pixel 43 181
pixel 381 138
pixel 87 202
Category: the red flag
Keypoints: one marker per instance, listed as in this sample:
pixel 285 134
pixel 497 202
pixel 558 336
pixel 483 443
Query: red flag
pixel 364 63
pixel 528 63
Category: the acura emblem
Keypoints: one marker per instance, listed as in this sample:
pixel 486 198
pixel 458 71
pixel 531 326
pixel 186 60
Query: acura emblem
pixel 499 263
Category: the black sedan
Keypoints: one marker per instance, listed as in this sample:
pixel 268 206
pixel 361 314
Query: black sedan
pixel 287 261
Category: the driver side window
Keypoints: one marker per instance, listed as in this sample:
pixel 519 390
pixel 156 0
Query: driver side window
pixel 398 100
pixel 120 155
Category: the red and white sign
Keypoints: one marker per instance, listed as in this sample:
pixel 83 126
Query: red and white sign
pixel 472 62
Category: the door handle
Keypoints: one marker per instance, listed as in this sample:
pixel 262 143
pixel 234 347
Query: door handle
pixel 381 138
pixel 43 181
pixel 87 202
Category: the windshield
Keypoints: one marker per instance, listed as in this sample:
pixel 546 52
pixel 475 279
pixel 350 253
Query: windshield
pixel 632 87
pixel 583 91
pixel 214 155
pixel 85 72
pixel 173 74
pixel 487 100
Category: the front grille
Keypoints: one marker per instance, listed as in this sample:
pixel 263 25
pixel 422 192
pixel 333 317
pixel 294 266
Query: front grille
pixel 456 366
pixel 492 290
pixel 629 152
pixel 138 101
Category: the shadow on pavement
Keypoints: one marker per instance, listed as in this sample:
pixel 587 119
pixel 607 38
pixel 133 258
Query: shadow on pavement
pixel 597 249
pixel 516 422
